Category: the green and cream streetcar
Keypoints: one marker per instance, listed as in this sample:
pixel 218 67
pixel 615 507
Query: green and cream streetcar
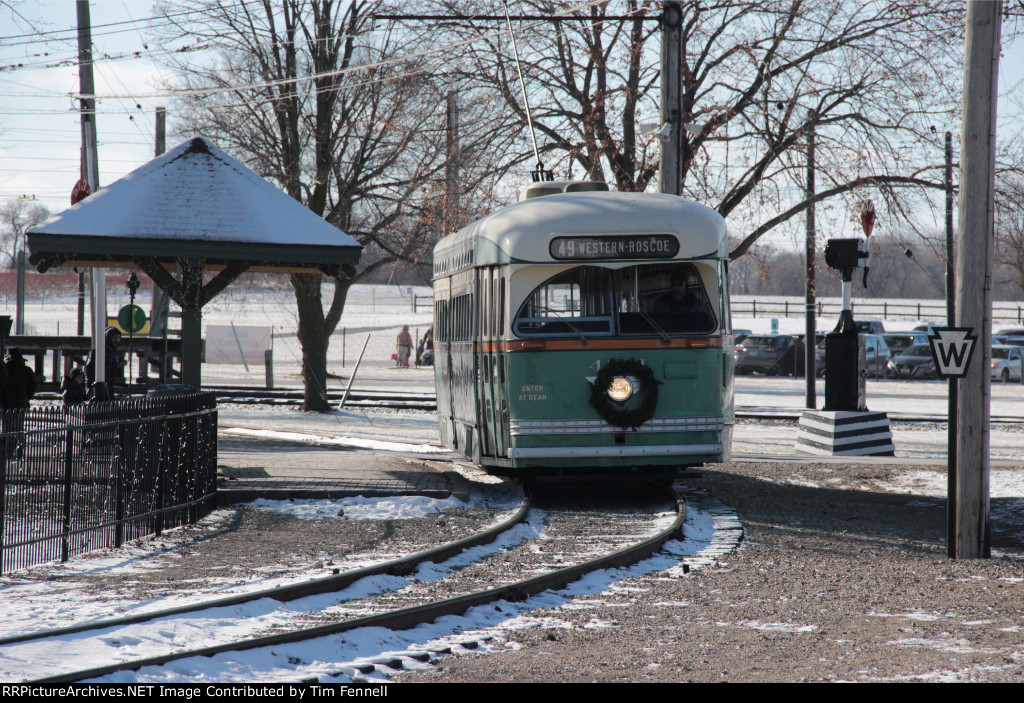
pixel 582 328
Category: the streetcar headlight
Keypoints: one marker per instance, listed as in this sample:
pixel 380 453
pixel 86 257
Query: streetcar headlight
pixel 620 389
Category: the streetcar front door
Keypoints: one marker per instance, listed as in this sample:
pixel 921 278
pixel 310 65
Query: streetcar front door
pixel 484 359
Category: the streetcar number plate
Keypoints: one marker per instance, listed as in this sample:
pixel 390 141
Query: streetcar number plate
pixel 627 246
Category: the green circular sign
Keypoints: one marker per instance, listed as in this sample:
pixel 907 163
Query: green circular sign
pixel 131 318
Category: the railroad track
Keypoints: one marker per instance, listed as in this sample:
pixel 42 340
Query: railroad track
pixel 426 401
pixel 396 400
pixel 575 534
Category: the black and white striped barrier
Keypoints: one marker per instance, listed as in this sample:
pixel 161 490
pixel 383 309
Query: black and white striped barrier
pixel 844 433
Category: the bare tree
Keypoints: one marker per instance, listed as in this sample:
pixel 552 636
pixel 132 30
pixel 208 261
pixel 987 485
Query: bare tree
pixel 315 96
pixel 16 216
pixel 873 80
pixel 1009 227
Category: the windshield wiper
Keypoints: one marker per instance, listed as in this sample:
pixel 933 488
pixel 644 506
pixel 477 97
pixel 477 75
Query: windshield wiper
pixel 657 328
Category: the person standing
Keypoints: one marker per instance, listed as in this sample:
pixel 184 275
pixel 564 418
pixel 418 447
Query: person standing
pixel 404 344
pixel 426 348
pixel 112 338
pixel 16 394
pixel 21 381
pixel 73 388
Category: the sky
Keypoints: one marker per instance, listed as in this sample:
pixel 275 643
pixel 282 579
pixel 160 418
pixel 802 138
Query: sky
pixel 40 133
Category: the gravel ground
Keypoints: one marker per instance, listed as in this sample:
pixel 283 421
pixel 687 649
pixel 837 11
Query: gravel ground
pixel 844 583
pixel 251 546
pixel 836 580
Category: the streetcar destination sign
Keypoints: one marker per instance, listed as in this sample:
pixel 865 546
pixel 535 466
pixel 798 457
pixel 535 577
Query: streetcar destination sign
pixel 619 246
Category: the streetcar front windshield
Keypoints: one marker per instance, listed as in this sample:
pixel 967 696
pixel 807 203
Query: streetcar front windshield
pixel 646 300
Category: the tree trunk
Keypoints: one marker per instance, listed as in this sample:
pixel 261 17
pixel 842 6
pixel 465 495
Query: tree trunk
pixel 313 338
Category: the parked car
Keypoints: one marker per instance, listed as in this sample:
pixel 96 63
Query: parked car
pixel 913 362
pixel 898 341
pixel 770 354
pixel 1009 339
pixel 1011 332
pixel 876 356
pixel 870 326
pixel 927 326
pixel 740 335
pixel 1006 363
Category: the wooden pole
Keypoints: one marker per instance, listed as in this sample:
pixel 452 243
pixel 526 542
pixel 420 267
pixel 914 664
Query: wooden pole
pixel 92 175
pixel 160 305
pixel 452 197
pixel 973 279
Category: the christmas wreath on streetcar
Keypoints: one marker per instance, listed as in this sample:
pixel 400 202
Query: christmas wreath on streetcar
pixel 615 385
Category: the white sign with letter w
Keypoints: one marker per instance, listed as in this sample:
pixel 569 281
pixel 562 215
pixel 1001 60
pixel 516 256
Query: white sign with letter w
pixel 952 349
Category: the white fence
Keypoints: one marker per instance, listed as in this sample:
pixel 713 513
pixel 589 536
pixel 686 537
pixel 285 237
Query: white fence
pixel 866 308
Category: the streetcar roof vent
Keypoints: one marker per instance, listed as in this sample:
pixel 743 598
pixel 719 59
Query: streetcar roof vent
pixel 540 188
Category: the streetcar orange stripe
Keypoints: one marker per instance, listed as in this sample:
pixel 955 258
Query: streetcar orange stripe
pixel 594 344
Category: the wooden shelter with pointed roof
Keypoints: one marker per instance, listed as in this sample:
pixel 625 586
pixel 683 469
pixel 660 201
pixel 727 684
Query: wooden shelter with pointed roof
pixel 191 210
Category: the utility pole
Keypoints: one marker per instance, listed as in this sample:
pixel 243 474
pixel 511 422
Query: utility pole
pixel 951 412
pixel 810 321
pixel 452 201
pixel 160 138
pixel 19 258
pixel 159 314
pixel 92 175
pixel 672 145
pixel 973 273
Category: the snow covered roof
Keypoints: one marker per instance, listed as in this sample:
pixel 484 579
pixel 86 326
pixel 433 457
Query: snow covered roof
pixel 194 201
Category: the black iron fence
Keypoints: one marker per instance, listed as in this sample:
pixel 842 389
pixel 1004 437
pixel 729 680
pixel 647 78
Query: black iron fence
pixel 92 476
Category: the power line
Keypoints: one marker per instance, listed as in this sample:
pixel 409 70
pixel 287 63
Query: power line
pixel 339 72
pixel 72 32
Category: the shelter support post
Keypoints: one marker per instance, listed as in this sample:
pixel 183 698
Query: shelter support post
pixel 192 323
pixel 190 295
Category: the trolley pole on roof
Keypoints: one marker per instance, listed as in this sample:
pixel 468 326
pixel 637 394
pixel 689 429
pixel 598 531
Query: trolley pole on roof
pixel 973 274
pixel 672 144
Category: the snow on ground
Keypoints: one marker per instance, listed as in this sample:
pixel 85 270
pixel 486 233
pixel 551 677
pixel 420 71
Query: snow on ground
pixel 44 597
pixel 1002 483
pixel 322 657
pixel 189 631
pixel 375 310
pixel 360 507
pixel 379 311
pixel 336 656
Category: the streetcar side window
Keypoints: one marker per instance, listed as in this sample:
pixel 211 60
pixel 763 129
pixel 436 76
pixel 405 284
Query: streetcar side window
pixel 501 307
pixel 441 318
pixel 462 318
